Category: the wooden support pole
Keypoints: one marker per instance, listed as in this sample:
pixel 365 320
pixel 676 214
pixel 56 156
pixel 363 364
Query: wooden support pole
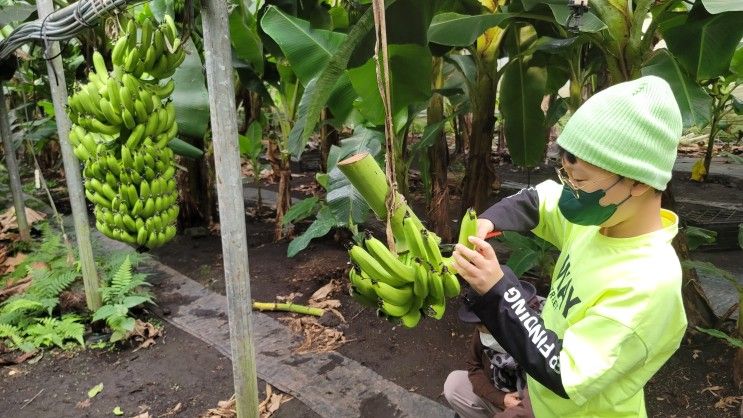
pixel 71 166
pixel 218 57
pixel 12 165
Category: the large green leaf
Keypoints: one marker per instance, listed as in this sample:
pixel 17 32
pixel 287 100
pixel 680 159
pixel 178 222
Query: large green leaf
pixel 589 22
pixel 522 91
pixel 454 29
pixel 736 64
pixel 308 50
pixel 720 6
pixel 190 96
pixel 345 202
pixel 694 103
pixel 160 8
pixel 705 46
pixel 244 38
pixel 362 140
pixel 321 226
pixel 410 68
pixel 15 12
pixel 331 86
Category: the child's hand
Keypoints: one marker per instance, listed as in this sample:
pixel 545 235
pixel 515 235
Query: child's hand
pixel 511 399
pixel 479 267
pixel 484 226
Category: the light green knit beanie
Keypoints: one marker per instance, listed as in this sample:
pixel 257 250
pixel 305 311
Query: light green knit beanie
pixel 631 129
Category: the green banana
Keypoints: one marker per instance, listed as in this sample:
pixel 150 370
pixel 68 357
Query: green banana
pixel 100 66
pixel 413 238
pixel 467 228
pixel 420 286
pixel 369 264
pixel 450 283
pixel 118 51
pixel 134 138
pixel 394 295
pixel 140 111
pixel 436 310
pixel 147 29
pixel 411 318
pixel 144 191
pixel 436 286
pixel 401 273
pixel 128 119
pixel 394 310
pixel 431 246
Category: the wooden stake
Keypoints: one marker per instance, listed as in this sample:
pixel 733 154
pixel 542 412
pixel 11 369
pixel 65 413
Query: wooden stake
pixel 71 166
pixel 12 165
pixel 223 116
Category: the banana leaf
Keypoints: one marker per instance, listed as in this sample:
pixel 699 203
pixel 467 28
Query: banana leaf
pixel 695 104
pixel 246 43
pixel 522 90
pixel 454 29
pixel 190 96
pixel 321 226
pixel 15 12
pixel 308 50
pixel 410 68
pixel 720 6
pixel 704 45
pixel 319 91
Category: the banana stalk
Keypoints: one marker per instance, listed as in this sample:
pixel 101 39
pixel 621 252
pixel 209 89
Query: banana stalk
pixel 288 307
pixel 369 179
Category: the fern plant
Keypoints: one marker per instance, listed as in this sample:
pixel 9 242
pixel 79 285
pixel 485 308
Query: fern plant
pixel 52 331
pixel 119 295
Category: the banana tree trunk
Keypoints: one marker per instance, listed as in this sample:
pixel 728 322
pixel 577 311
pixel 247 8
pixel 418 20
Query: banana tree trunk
pixel 282 170
pixel 438 153
pixel 696 304
pixel 480 173
pixel 198 202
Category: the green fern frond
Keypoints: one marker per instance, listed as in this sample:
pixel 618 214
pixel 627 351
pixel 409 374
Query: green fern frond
pixel 12 333
pixel 119 284
pixel 72 329
pixel 44 333
pixel 50 283
pixel 22 304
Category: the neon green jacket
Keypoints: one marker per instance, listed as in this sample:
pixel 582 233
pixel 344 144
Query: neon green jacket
pixel 613 316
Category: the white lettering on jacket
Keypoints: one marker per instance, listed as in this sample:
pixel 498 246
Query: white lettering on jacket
pixel 530 322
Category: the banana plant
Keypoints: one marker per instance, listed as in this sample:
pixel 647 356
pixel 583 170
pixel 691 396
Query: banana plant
pixel 703 64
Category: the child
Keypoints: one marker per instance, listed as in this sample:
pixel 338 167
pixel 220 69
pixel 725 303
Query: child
pixel 493 384
pixel 614 313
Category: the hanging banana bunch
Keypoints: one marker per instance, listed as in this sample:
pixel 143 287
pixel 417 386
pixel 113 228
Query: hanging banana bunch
pixel 122 122
pixel 408 286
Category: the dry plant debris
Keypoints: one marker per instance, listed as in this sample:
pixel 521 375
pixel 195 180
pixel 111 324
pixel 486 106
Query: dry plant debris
pixel 8 221
pixel 144 333
pixel 317 338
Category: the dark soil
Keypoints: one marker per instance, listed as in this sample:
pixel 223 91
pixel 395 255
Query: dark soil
pixel 178 369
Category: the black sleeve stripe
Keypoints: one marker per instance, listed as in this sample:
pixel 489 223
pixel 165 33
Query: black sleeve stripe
pixel 520 331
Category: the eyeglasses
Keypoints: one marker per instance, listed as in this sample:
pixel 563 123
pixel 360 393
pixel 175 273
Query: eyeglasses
pixel 562 174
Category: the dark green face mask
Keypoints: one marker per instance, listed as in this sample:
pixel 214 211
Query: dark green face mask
pixel 586 209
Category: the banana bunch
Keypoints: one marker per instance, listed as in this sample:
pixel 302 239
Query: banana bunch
pixel 157 51
pixel 405 287
pixel 121 127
